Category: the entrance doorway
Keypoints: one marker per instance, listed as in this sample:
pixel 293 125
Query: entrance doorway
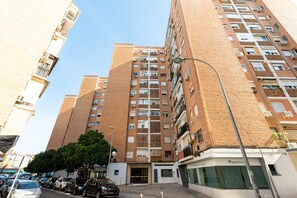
pixel 184 175
pixel 139 176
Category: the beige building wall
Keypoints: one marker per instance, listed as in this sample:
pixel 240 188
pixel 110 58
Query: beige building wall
pixel 31 38
pixel 60 129
pixel 116 107
pixel 212 46
pixel 26 33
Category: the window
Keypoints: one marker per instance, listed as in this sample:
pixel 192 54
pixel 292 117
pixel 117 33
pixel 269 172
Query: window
pixel 141 153
pixel 163 84
pixel 278 66
pixel 244 67
pixel 230 38
pixel 129 154
pixel 242 8
pixel 103 94
pixel 262 107
pixel 261 38
pixel 200 136
pixel 95 101
pixel 221 16
pixel 90 124
pixel 134 83
pixel 130 139
pixel 164 103
pixel 101 100
pixel 94 108
pixel 165 114
pixel 166 126
pixel 272 169
pixel 116 172
pixel 166 173
pixel 132 113
pixel 286 52
pixel 164 92
pixel 97 123
pixel 245 37
pixel 262 18
pixel 250 51
pixel 225 26
pixel 258 66
pixel 131 126
pixel 143 124
pixel 278 106
pixel 235 26
pixel 92 115
pixel 268 27
pixel 196 112
pixel 254 27
pixel 233 16
pixel 168 154
pixel 272 52
pixel 167 140
pixel 100 107
pixel 156 152
pixel 248 16
pixel 135 66
pixel 162 67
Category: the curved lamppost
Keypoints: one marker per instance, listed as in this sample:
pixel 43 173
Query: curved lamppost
pixel 109 157
pixel 247 164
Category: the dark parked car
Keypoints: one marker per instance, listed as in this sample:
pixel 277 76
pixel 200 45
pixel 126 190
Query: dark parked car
pixel 100 188
pixel 75 186
pixel 4 190
pixel 42 181
pixel 3 179
pixel 50 183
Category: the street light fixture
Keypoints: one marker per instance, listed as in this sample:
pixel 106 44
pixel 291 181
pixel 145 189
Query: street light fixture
pixel 247 164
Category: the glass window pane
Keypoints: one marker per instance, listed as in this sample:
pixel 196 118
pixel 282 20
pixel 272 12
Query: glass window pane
pixel 233 177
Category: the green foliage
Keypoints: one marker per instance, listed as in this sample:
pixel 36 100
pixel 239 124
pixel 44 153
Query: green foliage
pixel 90 149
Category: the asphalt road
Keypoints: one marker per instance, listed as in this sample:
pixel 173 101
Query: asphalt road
pixel 49 193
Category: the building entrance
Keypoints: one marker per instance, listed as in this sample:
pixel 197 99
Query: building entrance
pixel 139 176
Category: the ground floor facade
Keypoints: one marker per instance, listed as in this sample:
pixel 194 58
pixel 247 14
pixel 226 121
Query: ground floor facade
pixel 218 172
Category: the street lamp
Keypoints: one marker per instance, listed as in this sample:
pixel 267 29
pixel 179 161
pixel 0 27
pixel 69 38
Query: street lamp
pixel 109 157
pixel 247 164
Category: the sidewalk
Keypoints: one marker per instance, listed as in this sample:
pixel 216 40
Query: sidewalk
pixel 154 191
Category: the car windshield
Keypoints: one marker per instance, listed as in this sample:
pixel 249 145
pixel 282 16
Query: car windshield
pixel 105 181
pixel 27 185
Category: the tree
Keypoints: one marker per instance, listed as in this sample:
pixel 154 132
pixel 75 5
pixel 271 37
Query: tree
pixel 90 149
pixel 94 149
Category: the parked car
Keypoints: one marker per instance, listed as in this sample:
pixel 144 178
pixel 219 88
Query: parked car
pixel 60 184
pixel 75 186
pixel 42 181
pixel 100 188
pixel 50 183
pixel 5 188
pixel 26 188
pixel 3 179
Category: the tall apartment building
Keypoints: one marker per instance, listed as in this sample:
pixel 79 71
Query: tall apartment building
pixel 170 122
pixel 79 113
pixel 261 73
pixel 31 39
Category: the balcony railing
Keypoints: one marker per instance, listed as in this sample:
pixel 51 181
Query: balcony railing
pixel 183 130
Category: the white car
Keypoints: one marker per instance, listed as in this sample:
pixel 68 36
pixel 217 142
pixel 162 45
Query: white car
pixel 26 188
pixel 60 184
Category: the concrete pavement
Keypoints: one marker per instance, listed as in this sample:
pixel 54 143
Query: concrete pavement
pixel 154 191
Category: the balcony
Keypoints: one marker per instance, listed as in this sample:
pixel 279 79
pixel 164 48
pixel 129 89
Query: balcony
pixel 70 17
pixel 187 151
pixel 183 130
pixel 181 109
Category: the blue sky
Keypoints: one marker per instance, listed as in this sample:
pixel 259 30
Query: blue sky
pixel 88 50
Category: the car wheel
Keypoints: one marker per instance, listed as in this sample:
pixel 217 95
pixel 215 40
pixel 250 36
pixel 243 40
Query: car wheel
pixel 84 194
pixel 74 191
pixel 98 194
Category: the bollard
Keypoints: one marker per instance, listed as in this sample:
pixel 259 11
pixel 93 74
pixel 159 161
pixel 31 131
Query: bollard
pixel 141 195
pixel 161 194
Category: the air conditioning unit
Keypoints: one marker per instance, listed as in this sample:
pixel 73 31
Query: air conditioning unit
pixel 132 94
pixel 239 54
pixel 293 56
pixel 267 113
pixel 292 145
pixel 287 114
pixel 133 105
pixel 283 42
